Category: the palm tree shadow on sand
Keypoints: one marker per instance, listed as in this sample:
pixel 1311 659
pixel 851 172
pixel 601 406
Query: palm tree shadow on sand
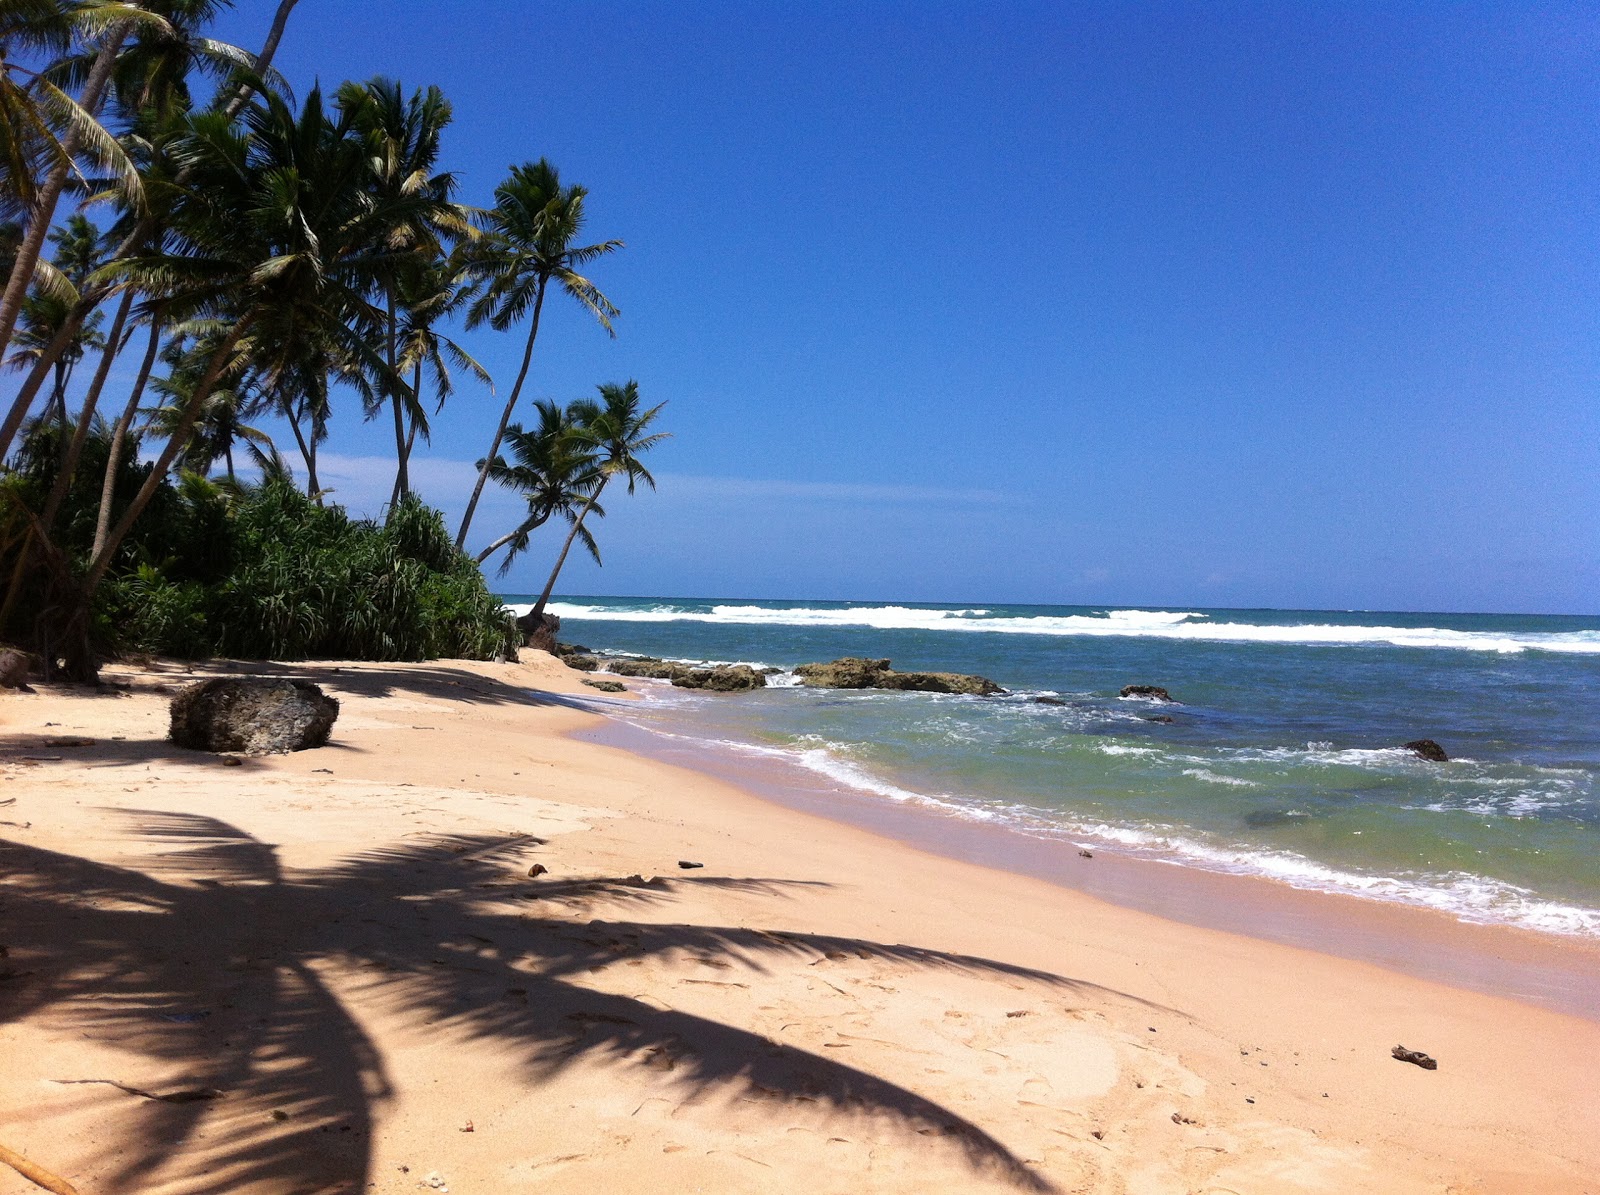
pixel 209 960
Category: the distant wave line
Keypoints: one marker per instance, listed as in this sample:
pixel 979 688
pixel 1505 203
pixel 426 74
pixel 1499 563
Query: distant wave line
pixel 1156 624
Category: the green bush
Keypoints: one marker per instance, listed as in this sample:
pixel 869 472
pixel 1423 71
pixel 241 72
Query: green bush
pixel 266 573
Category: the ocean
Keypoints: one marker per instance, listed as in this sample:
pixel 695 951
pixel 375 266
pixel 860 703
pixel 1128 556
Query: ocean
pixel 1283 757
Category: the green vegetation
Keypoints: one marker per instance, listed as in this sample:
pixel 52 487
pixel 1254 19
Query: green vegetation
pixel 266 256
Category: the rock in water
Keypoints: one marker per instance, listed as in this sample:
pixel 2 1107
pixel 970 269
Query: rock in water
pixel 253 715
pixel 1152 692
pixel 724 678
pixel 1427 749
pixel 606 686
pixel 852 672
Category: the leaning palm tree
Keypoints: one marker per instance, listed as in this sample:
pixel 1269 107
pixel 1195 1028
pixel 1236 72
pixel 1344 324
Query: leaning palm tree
pixel 44 132
pixel 529 243
pixel 221 421
pixel 617 428
pixel 556 470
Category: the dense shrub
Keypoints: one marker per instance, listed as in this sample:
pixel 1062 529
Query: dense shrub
pixel 268 574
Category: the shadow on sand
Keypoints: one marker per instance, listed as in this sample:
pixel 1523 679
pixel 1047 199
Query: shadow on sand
pixel 210 962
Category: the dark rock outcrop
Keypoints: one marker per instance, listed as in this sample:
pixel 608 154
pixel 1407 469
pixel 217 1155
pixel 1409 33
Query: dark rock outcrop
pixel 646 666
pixel 581 663
pixel 1049 701
pixel 1150 692
pixel 1427 749
pixel 852 672
pixel 606 686
pixel 1164 719
pixel 725 678
pixel 253 715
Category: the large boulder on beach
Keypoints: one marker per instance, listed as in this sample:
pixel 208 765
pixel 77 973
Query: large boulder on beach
pixel 724 678
pixel 1147 692
pixel 851 672
pixel 14 669
pixel 252 715
pixel 1427 749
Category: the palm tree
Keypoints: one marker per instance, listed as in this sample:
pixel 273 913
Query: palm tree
pixel 616 427
pixel 149 226
pixel 402 139
pixel 273 235
pixel 428 297
pixel 529 242
pixel 556 470
pixel 43 131
pixel 221 421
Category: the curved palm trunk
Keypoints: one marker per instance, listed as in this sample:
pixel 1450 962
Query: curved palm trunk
pixel 402 480
pixel 533 525
pixel 175 444
pixel 119 440
pixel 544 598
pixel 505 417
pixel 55 182
pixel 42 369
pixel 264 59
pixel 69 466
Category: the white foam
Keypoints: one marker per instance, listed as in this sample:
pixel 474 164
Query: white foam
pixel 1158 624
pixel 1212 778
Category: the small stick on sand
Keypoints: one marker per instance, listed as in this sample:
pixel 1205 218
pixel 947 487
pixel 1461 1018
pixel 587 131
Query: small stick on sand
pixel 36 1174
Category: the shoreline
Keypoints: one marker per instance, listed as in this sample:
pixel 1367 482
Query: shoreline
pixel 1548 970
pixel 351 937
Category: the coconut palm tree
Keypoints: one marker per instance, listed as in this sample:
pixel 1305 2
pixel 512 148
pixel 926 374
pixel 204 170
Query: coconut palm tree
pixel 44 132
pixel 402 139
pixel 617 429
pixel 428 297
pixel 221 421
pixel 556 469
pixel 530 242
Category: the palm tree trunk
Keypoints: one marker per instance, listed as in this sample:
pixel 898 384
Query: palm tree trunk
pixel 227 455
pixel 42 369
pixel 402 482
pixel 175 444
pixel 507 538
pixel 505 417
pixel 264 59
pixel 119 439
pixel 538 609
pixel 44 209
pixel 411 433
pixel 69 466
pixel 306 454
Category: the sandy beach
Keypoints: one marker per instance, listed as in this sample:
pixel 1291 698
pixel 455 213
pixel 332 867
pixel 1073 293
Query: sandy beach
pixel 333 971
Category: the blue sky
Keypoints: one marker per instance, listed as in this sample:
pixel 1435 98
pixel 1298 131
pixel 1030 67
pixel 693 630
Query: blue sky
pixel 1197 304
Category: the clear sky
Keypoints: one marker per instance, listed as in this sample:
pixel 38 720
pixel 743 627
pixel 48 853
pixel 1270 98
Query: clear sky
pixel 1225 304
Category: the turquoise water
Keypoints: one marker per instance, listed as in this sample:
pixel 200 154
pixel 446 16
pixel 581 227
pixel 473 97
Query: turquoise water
pixel 1282 760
